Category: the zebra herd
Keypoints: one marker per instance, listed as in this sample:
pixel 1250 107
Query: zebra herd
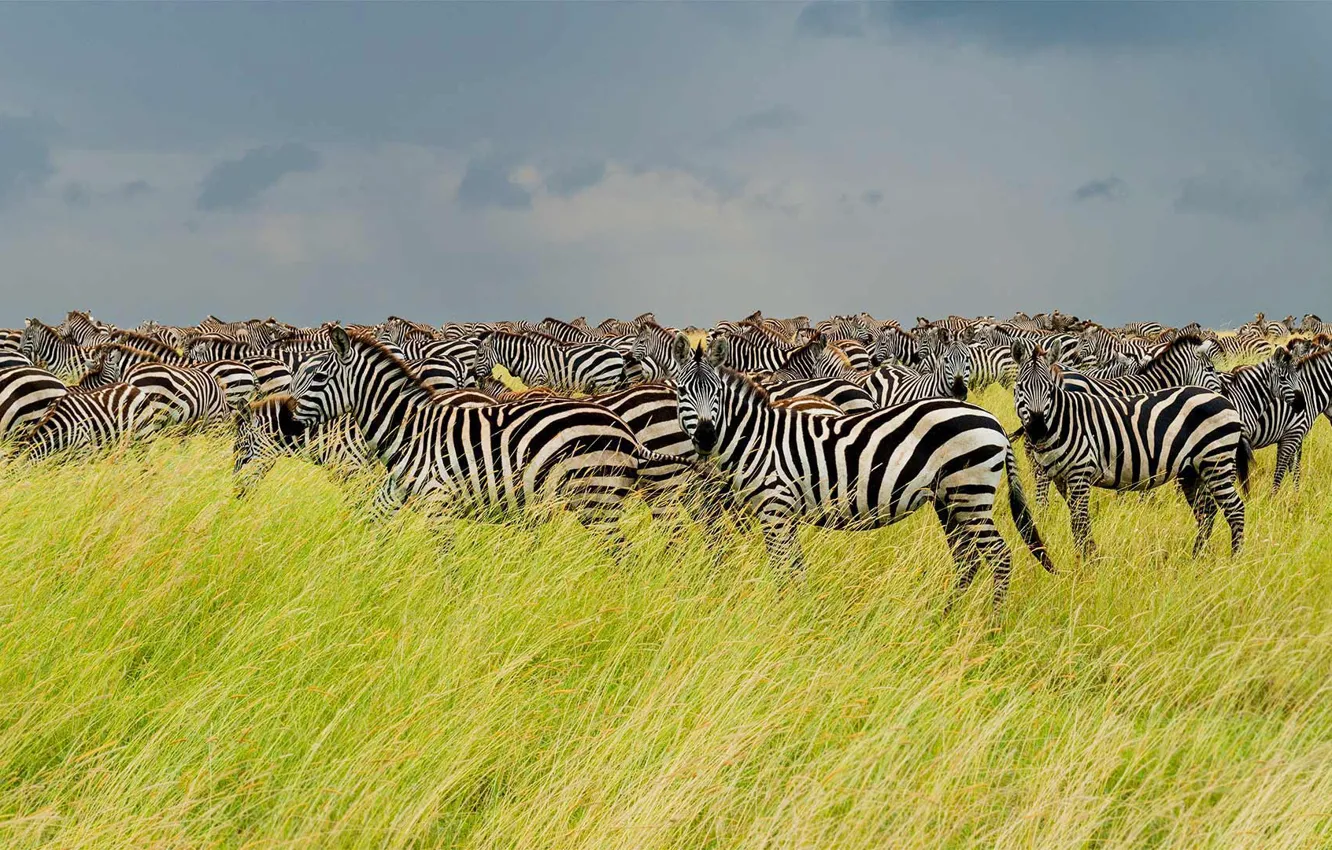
pixel 851 422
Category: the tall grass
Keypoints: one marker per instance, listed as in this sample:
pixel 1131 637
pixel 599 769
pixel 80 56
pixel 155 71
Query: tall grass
pixel 182 669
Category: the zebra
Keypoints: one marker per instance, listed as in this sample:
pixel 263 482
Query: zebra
pixel 81 328
pixel 1313 378
pixel 848 396
pixel 441 373
pixel 490 460
pixel 1181 362
pixel 1244 346
pixel 816 358
pixel 189 395
pixel 13 360
pixel 651 351
pixel 1270 410
pixel 540 359
pixel 46 347
pixel 894 345
pixel 948 376
pixel 1083 440
pixel 615 327
pixel 94 420
pixel 26 393
pixel 856 471
pixel 991 365
pixel 756 352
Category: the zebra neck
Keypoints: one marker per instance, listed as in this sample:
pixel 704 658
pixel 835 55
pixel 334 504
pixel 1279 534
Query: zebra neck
pixel 384 417
pixel 747 425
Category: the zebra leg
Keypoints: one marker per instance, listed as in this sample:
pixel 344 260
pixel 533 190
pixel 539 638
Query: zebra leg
pixel 783 545
pixel 996 551
pixel 1038 473
pixel 1288 460
pixel 388 498
pixel 1078 492
pixel 1220 481
pixel 1204 507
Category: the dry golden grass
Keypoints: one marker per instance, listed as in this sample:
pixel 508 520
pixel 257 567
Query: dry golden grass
pixel 185 670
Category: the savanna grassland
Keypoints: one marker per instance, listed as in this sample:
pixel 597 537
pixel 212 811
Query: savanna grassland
pixel 184 669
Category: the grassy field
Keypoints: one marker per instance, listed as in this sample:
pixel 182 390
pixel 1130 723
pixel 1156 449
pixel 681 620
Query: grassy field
pixel 181 669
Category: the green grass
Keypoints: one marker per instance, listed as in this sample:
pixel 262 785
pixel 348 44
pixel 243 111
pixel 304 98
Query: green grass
pixel 181 669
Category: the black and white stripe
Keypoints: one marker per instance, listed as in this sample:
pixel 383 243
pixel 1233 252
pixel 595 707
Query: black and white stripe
pixel 856 471
pixel 93 420
pixel 1083 440
pixel 26 394
pixel 537 359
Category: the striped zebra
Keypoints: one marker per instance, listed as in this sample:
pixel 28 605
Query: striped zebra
pixel 188 395
pixel 1083 440
pixel 26 394
pixel 615 327
pixel 894 345
pixel 540 359
pixel 1313 379
pixel 493 460
pixel 651 351
pixel 1271 411
pixel 1183 362
pixel 13 360
pixel 816 358
pixel 1244 346
pixel 268 429
pixel 46 347
pixel 991 365
pixel 93 420
pixel 755 352
pixel 82 329
pixel 848 396
pixel 857 471
pixel 948 373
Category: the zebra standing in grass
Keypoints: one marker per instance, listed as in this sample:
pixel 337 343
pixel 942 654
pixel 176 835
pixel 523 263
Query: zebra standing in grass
pixel 94 420
pixel 539 359
pixel 856 471
pixel 81 328
pixel 495 460
pixel 188 395
pixel 1271 410
pixel 1083 440
pixel 268 429
pixel 948 373
pixel 26 394
pixel 1183 362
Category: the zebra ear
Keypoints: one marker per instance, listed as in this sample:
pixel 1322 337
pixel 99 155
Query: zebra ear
pixel 341 341
pixel 1020 350
pixel 1056 352
pixel 718 350
pixel 681 348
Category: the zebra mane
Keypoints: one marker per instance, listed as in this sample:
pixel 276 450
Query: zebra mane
pixel 536 335
pixel 1169 347
pixel 746 385
pixel 38 323
pixel 382 352
pixel 99 351
pixel 144 343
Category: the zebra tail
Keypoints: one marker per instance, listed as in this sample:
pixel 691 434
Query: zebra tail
pixel 1243 462
pixel 1026 523
pixel 1021 430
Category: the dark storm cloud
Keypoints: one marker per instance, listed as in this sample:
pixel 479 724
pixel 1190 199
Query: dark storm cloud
pixel 1108 189
pixel 871 197
pixel 579 178
pixel 487 183
pixel 1251 198
pixel 831 19
pixel 25 155
pixel 237 183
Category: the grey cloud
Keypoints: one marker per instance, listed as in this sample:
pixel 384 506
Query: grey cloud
pixel 134 189
pixel 831 19
pixel 871 197
pixel 76 195
pixel 236 183
pixel 570 181
pixel 25 155
pixel 1024 25
pixel 1108 189
pixel 486 183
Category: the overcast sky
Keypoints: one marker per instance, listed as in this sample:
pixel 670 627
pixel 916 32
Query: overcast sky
pixel 469 161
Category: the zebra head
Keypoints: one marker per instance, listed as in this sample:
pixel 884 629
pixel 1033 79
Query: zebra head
pixel 699 388
pixel 316 386
pixel 892 344
pixel 1038 379
pixel 1282 382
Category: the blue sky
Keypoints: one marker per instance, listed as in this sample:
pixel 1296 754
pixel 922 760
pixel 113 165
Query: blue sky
pixel 1144 160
